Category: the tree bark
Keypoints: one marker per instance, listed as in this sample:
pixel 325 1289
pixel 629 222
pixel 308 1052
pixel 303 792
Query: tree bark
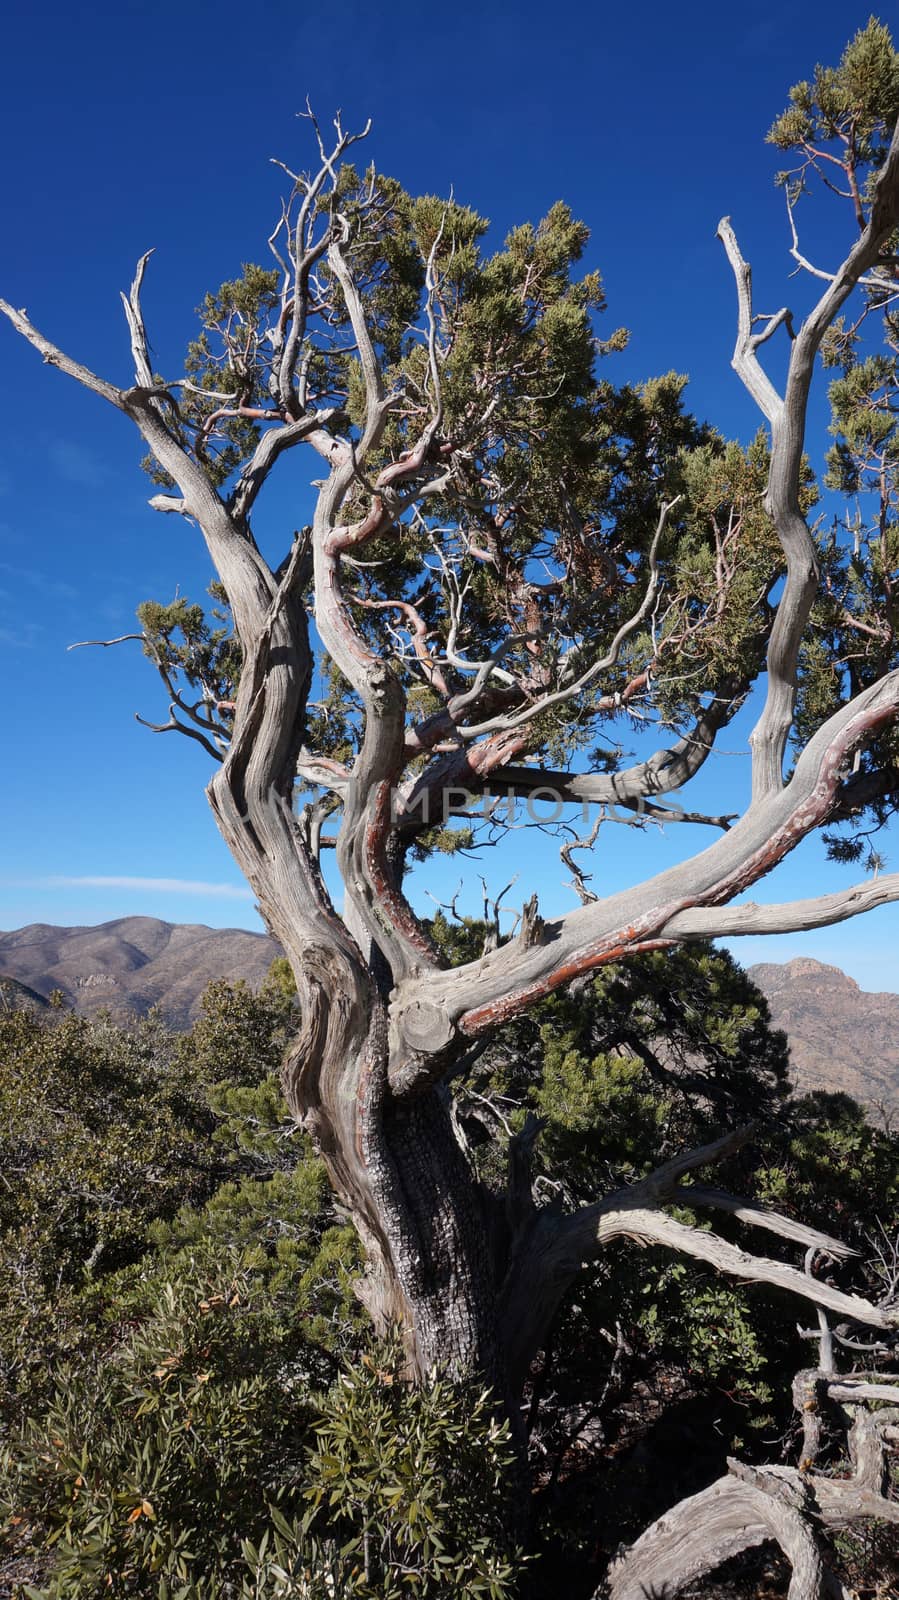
pixel 395 1165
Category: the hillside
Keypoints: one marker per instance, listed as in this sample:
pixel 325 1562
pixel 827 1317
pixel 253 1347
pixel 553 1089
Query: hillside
pixel 133 963
pixel 841 1038
pixel 15 996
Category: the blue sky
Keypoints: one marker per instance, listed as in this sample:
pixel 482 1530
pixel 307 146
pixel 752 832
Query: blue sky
pixel 136 124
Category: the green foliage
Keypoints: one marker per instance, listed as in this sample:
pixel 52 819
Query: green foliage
pixel 855 104
pixel 413 1485
pixel 651 1057
pixel 200 1446
pixel 104 1130
pixel 149 1467
pixel 154 1408
pixel 175 1422
pixel 112 1132
pixel 240 1036
pixel 202 1414
pixel 546 518
pixel 655 1053
pixel 834 1167
pixel 180 641
pixel 706 1323
pixel 98 1122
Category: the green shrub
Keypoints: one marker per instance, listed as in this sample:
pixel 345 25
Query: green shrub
pixel 412 1486
pixel 198 1463
pixel 154 1461
pixel 108 1133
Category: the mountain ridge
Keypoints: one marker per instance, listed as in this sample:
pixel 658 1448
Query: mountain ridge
pixel 132 964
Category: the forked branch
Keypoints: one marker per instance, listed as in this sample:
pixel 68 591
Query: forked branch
pixel 787 418
pixel 550 1249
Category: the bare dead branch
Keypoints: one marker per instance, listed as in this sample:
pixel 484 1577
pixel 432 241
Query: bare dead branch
pixel 758 1217
pixel 85 644
pixel 174 726
pixel 143 371
pixel 787 417
pixel 822 911
pixel 852 1391
pixel 745 360
pixel 476 997
pixel 755 1503
pixel 654 1227
pixel 712 1527
pixel 56 358
pixel 170 503
pixel 864 282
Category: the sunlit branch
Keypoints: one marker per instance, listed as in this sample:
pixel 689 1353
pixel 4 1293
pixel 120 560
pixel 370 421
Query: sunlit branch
pixel 787 417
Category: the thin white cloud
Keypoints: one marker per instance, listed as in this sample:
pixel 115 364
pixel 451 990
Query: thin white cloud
pixel 38 580
pixel 218 891
pixel 22 637
pixel 76 464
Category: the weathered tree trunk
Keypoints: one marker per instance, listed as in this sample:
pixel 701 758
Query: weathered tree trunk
pixel 368 1072
pixel 400 1173
pixel 395 1163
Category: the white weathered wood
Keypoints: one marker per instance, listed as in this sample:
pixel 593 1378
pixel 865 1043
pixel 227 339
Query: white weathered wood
pixel 712 1527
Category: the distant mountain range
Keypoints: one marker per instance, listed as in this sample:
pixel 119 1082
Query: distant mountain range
pixel 840 1037
pixel 133 964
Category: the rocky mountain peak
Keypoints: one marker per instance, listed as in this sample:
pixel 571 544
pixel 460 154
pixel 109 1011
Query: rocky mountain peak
pixel 842 1039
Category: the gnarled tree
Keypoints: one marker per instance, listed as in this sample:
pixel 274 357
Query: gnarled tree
pixel 508 560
